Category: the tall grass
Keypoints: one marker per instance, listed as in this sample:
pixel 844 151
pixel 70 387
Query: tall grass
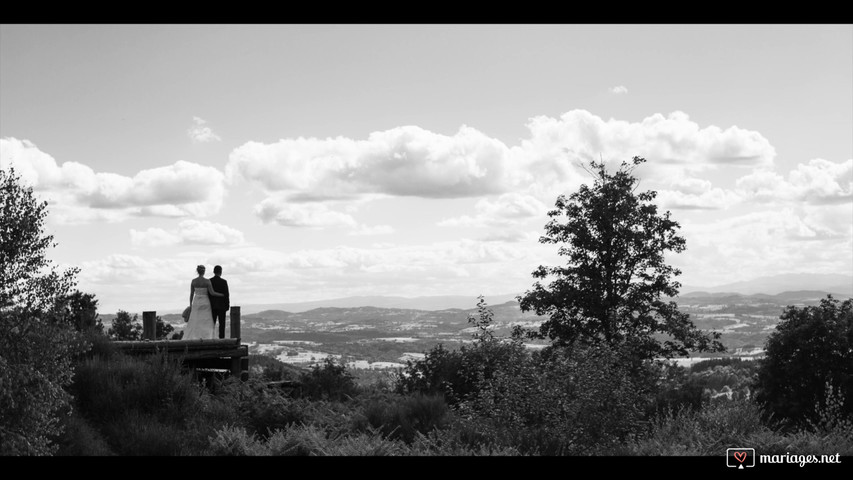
pixel 134 406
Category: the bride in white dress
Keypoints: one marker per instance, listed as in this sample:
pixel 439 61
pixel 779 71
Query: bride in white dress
pixel 200 324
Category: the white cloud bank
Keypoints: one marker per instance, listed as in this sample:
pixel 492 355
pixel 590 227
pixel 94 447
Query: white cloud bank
pixel 79 194
pixel 404 161
pixel 310 215
pixel 818 182
pixel 411 161
pixel 503 211
pixel 810 238
pixel 189 232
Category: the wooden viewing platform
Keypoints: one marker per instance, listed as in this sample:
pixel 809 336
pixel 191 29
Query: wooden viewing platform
pixel 218 353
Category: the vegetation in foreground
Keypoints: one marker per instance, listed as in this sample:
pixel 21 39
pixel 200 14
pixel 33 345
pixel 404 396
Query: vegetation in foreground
pixel 491 397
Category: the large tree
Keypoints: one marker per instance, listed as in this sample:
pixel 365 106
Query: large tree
pixel 811 348
pixel 37 340
pixel 616 286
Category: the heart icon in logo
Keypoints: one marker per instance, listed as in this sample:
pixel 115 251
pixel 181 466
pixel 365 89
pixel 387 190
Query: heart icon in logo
pixel 740 456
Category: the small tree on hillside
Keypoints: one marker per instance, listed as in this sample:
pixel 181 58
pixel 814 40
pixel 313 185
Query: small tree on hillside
pixel 82 309
pixel 163 329
pixel 458 374
pixel 125 328
pixel 37 342
pixel 613 286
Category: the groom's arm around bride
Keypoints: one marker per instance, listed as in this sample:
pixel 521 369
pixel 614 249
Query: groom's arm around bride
pixel 219 305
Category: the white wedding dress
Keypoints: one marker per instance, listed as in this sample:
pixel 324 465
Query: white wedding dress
pixel 200 325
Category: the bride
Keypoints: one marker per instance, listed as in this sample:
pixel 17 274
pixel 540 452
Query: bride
pixel 200 323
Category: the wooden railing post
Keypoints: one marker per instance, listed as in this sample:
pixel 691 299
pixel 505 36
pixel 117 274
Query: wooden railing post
pixel 149 325
pixel 235 322
pixel 236 362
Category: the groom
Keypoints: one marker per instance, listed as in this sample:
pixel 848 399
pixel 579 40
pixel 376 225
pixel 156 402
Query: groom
pixel 219 305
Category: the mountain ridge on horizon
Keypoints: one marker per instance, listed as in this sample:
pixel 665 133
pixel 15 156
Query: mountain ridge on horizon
pixel 776 284
pixel 769 285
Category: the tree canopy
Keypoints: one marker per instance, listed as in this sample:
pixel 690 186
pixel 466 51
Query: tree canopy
pixel 614 286
pixel 811 347
pixel 82 309
pixel 125 328
pixel 37 340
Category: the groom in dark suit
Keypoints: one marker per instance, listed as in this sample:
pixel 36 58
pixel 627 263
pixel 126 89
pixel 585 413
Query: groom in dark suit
pixel 219 305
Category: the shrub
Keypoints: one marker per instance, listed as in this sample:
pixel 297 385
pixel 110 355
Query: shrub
pixel 97 344
pixel 144 434
pixel 677 388
pixel 401 417
pixel 439 372
pixel 330 382
pixel 272 369
pixel 309 440
pixel 706 431
pixel 235 441
pixel 563 402
pixel 832 415
pixel 457 375
pixel 80 439
pixel 302 440
pixel 255 406
pixel 367 444
pixel 458 439
pixel 680 387
pixel 106 389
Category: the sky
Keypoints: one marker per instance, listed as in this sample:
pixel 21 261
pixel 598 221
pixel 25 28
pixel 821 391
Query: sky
pixel 322 161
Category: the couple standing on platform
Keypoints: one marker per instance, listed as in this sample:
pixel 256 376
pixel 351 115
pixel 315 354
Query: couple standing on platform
pixel 209 302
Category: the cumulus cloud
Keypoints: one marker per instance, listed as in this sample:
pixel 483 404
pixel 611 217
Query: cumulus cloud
pixel 505 210
pixel 312 215
pixel 713 199
pixel 286 213
pixel 411 161
pixel 619 89
pixel 119 268
pixel 189 232
pixel 756 243
pixel 153 237
pixel 695 194
pixel 404 161
pixel 818 182
pixel 512 236
pixel 666 141
pixel 387 257
pixel 199 133
pixel 79 194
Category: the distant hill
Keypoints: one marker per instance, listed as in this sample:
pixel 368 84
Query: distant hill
pixel 777 284
pixel 784 288
pixel 430 303
pixel 790 286
pixel 732 298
